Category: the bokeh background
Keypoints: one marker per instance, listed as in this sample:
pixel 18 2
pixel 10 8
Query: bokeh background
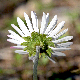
pixel 17 67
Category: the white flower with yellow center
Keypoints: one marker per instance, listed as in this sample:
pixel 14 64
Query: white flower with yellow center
pixel 46 37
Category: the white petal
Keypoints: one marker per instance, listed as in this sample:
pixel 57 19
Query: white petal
pixel 60 49
pixel 18 30
pixel 51 25
pixel 63 39
pixel 46 24
pixel 57 29
pixel 37 30
pixel 51 59
pixel 21 52
pixel 23 27
pixel 47 18
pixel 18 47
pixel 57 54
pixel 67 44
pixel 13 33
pixel 43 23
pixel 13 41
pixel 28 22
pixel 61 33
pixel 16 38
pixel 34 21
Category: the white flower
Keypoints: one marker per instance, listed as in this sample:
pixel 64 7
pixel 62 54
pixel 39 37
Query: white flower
pixel 51 30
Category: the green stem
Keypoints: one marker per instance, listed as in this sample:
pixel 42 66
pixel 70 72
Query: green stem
pixel 36 63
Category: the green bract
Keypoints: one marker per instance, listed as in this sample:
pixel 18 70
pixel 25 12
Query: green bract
pixel 37 39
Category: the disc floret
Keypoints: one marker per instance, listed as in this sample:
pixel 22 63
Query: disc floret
pixel 41 40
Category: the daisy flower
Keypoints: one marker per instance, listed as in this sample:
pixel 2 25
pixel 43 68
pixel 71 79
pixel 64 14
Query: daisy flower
pixel 29 36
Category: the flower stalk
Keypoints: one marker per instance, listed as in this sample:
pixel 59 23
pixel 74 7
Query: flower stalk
pixel 36 63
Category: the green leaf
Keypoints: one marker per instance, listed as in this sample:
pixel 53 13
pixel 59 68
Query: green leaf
pixel 43 55
pixel 39 55
pixel 25 49
pixel 51 44
pixel 28 38
pixel 49 39
pixel 49 50
pixel 24 43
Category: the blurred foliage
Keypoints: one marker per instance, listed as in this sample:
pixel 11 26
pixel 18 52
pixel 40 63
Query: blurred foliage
pixel 43 61
pixel 78 27
pixel 6 71
pixel 69 79
pixel 1 71
pixel 10 21
pixel 27 72
pixel 77 71
pixel 40 6
pixel 17 60
pixel 9 71
pixel 73 15
pixel 75 20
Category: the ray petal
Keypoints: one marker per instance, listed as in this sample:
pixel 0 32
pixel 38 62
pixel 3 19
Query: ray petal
pixel 60 49
pixel 23 27
pixel 51 25
pixel 51 59
pixel 61 33
pixel 43 23
pixel 18 30
pixel 34 21
pixel 37 29
pixel 57 29
pixel 65 45
pixel 46 24
pixel 67 38
pixel 13 41
pixel 28 22
pixel 21 52
pixel 18 47
pixel 16 38
pixel 12 33
pixel 56 53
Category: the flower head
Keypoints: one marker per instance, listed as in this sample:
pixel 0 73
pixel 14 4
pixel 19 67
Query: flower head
pixel 46 37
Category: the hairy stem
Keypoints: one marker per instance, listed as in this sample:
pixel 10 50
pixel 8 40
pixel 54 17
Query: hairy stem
pixel 36 63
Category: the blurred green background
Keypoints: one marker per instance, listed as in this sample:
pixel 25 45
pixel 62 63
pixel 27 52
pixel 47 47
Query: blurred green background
pixel 18 67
